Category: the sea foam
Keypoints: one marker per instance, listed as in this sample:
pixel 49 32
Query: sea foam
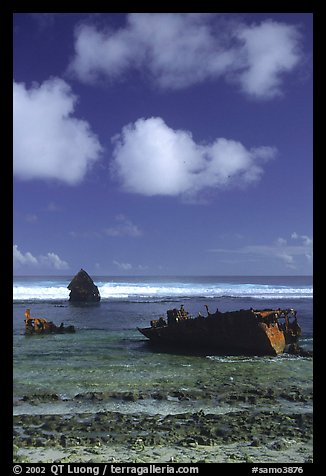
pixel 46 291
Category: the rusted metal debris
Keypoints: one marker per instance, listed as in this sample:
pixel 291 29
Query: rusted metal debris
pixel 253 332
pixel 39 325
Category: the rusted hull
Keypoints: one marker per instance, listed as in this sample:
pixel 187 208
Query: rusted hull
pixel 256 343
pixel 276 338
pixel 233 333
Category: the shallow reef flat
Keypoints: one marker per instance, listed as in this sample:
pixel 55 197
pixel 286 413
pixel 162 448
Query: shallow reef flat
pixel 187 437
pixel 261 426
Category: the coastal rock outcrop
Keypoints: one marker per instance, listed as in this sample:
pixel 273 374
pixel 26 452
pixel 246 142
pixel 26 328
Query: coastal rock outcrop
pixel 83 289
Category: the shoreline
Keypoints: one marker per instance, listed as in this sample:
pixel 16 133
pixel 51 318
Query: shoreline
pixel 296 453
pixel 250 435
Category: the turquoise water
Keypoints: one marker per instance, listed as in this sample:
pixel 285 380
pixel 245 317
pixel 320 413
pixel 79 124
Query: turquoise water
pixel 107 363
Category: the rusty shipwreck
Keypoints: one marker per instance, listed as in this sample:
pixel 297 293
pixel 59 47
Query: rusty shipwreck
pixel 39 325
pixel 243 332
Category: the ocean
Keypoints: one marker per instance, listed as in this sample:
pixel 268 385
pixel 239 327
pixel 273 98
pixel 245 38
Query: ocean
pixel 108 366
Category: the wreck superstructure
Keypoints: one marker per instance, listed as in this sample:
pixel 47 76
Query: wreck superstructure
pixel 247 332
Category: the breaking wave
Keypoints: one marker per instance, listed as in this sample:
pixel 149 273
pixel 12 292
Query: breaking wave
pixel 47 291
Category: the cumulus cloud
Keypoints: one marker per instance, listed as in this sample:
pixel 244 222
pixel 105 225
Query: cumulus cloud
pixel 150 158
pixel 270 50
pixel 52 260
pixel 49 142
pixel 27 260
pixel 21 259
pixel 177 50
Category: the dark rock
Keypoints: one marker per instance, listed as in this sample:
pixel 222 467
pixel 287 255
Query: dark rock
pixel 223 431
pixel 158 396
pixel 83 289
pixel 189 442
pixel 295 349
pixel 252 399
pixel 255 441
pixel 48 426
pixel 276 445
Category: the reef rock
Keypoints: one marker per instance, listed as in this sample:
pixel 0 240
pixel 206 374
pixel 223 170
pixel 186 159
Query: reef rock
pixel 83 289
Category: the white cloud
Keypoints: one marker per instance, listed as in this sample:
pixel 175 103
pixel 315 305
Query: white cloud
pixel 288 253
pixel 281 242
pixel 123 227
pixel 270 50
pixel 177 50
pixel 304 238
pixel 52 260
pixel 150 158
pixel 287 259
pixel 49 142
pixel 21 259
pixel 128 266
pixel 27 260
pixel 123 266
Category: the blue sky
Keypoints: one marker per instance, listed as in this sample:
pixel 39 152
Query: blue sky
pixel 163 144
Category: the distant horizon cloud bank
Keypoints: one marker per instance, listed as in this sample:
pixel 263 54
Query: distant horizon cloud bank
pixel 150 158
pixel 281 249
pixel 178 50
pixel 49 261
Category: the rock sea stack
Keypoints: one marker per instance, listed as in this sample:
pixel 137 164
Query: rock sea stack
pixel 83 289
